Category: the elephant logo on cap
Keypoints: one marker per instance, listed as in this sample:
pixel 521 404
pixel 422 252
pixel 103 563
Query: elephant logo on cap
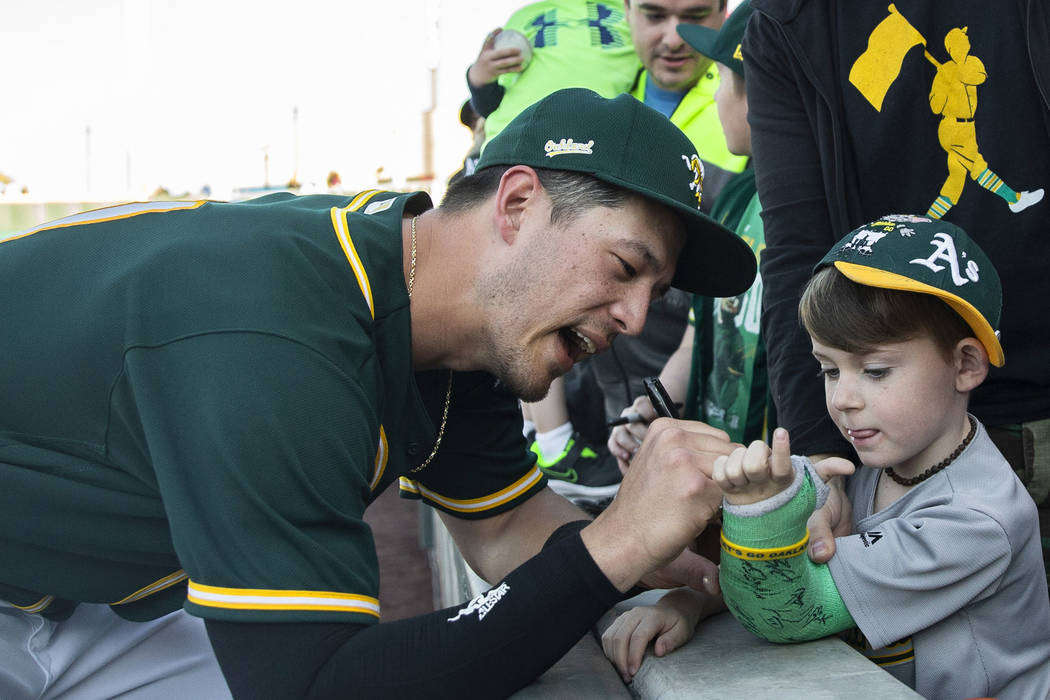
pixel 696 167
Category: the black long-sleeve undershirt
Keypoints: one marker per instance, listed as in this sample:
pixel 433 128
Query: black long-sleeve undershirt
pixel 538 612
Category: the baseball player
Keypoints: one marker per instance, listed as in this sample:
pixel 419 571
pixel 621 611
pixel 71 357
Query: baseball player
pixel 200 399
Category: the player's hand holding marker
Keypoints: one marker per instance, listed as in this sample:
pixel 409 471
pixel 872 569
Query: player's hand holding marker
pixel 756 472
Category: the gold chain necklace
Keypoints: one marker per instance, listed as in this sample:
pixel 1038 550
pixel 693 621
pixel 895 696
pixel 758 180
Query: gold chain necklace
pixel 448 391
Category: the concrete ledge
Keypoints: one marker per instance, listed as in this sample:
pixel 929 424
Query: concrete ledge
pixel 724 660
pixel 582 674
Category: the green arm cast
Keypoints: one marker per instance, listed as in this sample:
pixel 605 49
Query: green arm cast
pixel 780 600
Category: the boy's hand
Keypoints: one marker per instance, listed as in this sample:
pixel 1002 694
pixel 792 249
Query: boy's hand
pixel 755 473
pixel 834 518
pixel 669 624
pixel 491 63
pixel 629 635
pixel 624 440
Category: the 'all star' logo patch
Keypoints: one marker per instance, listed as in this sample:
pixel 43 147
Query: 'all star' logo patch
pixel 483 603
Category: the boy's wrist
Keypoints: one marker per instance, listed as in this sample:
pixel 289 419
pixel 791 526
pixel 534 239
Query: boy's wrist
pixel 780 496
pixel 774 523
pixel 691 605
pixel 762 492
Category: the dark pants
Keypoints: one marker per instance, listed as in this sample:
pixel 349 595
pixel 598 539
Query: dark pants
pixel 1027 449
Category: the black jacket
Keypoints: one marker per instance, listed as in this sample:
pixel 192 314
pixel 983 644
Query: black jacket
pixel 827 161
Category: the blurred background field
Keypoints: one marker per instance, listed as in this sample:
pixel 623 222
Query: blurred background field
pixel 132 100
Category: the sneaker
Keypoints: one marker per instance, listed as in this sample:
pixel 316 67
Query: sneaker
pixel 1026 199
pixel 580 472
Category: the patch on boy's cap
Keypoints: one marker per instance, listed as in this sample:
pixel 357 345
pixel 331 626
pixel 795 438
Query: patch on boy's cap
pixel 625 143
pixel 931 256
pixel 721 45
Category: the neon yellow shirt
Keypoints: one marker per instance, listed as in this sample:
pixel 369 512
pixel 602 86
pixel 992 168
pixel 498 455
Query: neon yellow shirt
pixel 697 116
pixel 574 44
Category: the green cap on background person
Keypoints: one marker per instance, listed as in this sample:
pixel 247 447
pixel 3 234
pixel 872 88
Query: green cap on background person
pixel 721 45
pixel 930 256
pixel 625 143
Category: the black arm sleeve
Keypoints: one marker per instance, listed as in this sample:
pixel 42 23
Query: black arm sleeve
pixel 485 99
pixel 489 648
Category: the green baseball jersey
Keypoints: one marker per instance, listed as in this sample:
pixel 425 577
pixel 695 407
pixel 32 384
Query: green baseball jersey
pixel 728 386
pixel 202 398
pixel 574 44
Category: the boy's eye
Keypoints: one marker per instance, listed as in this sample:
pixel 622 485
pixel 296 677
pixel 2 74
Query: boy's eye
pixel 877 372
pixel 828 373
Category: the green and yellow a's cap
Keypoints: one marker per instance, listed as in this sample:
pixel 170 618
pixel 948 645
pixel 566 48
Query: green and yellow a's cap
pixel 930 256
pixel 625 143
pixel 721 45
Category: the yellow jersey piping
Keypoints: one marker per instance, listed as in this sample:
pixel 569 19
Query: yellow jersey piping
pixel 85 218
pixel 474 505
pixel 382 455
pixel 265 599
pixel 155 587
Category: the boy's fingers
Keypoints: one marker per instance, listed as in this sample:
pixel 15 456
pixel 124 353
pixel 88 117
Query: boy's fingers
pixel 756 462
pixel 718 471
pixel 644 633
pixel 732 470
pixel 505 57
pixel 821 540
pixel 671 640
pixel 780 462
pixel 833 466
pixel 615 642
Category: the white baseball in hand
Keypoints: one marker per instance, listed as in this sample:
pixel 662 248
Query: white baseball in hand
pixel 513 39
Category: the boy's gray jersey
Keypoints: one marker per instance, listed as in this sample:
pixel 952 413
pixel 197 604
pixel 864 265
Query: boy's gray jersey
pixel 956 566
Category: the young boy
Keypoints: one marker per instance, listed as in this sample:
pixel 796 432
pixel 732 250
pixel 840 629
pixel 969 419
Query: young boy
pixel 942 584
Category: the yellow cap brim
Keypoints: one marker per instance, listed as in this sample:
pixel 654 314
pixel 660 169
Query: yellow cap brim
pixel 874 277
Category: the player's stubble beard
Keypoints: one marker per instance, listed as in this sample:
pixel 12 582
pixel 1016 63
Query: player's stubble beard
pixel 507 294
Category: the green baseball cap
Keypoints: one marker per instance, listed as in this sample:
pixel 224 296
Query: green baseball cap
pixel 930 256
pixel 625 143
pixel 721 45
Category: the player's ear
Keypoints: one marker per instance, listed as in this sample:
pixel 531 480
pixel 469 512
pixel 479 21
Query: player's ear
pixel 518 192
pixel 970 359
